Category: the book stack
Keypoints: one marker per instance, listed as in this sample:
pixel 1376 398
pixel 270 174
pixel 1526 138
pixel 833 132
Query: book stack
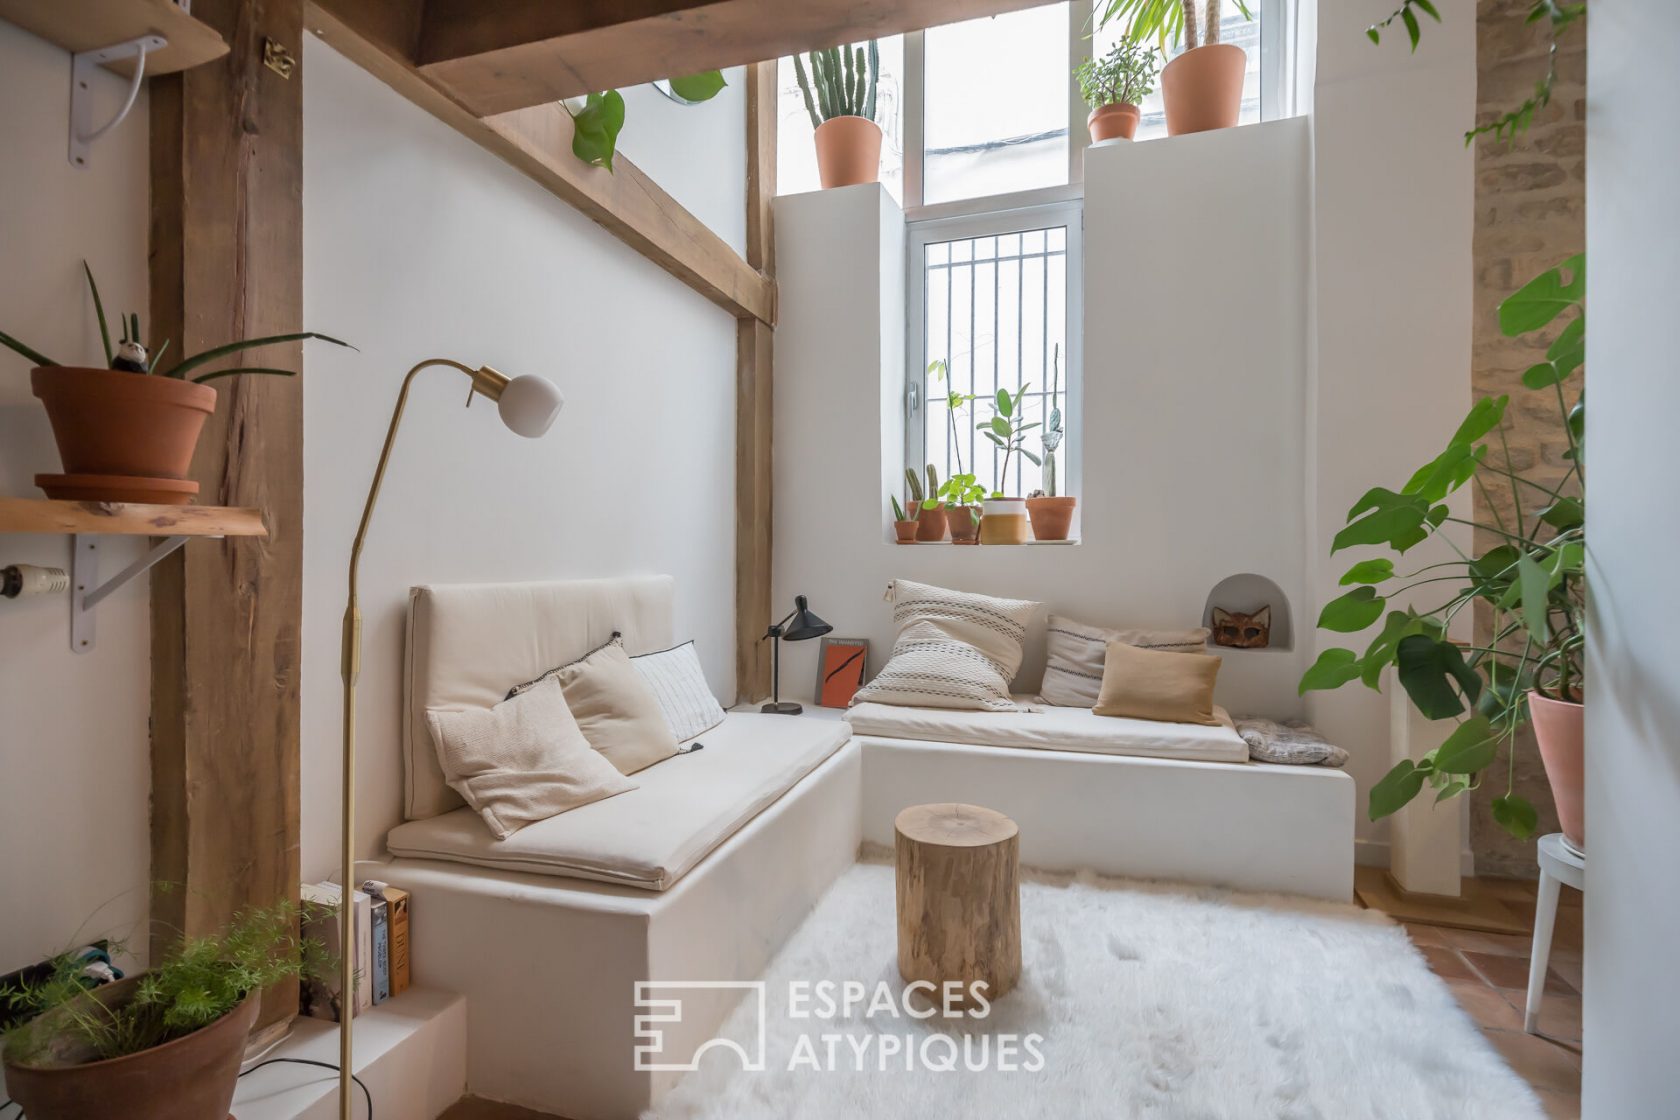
pixel 380 955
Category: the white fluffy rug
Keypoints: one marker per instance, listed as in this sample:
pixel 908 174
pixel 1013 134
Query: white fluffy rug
pixel 1150 1000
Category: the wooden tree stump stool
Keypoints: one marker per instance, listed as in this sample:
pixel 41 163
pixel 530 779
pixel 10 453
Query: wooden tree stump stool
pixel 959 897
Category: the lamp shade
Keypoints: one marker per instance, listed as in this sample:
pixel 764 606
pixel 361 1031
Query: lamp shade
pixel 805 624
pixel 529 404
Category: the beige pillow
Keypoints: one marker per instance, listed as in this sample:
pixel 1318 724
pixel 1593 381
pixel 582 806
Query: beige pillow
pixel 1155 684
pixel 953 650
pixel 522 761
pixel 1075 652
pixel 616 710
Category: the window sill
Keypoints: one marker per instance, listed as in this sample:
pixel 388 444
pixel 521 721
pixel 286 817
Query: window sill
pixel 954 544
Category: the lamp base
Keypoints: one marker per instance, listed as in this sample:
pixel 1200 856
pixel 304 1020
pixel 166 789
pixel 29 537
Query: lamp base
pixel 783 708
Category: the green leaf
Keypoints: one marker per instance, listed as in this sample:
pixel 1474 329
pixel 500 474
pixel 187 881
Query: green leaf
pixel 596 126
pixel 1541 375
pixel 1469 749
pixel 1334 668
pixel 1411 23
pixel 215 352
pixel 1564 514
pixel 1484 416
pixel 1369 571
pixel 157 356
pixel 1352 612
pixel 1516 815
pixel 1390 517
pixel 1375 36
pixel 1036 461
pixel 1451 785
pixel 99 313
pixel 1570 560
pixel 1396 789
pixel 1381 650
pixel 1533 581
pixel 1445 473
pixel 1427 667
pixel 32 355
pixel 1428 7
pixel 695 88
pixel 1005 405
pixel 244 369
pixel 1568 349
pixel 1545 297
pixel 1000 425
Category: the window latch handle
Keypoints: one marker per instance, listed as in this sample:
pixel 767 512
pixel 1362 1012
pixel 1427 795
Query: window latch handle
pixel 913 398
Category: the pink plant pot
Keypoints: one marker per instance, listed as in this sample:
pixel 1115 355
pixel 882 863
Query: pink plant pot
pixel 1558 731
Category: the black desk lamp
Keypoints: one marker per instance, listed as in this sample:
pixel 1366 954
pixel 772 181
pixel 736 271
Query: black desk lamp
pixel 804 625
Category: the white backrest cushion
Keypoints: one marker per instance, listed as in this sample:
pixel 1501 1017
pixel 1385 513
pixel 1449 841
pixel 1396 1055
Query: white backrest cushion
pixel 468 643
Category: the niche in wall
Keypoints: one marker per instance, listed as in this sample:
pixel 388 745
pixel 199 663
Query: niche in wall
pixel 1247 593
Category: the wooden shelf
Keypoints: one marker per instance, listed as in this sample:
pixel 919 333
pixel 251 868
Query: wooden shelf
pixel 88 25
pixel 41 515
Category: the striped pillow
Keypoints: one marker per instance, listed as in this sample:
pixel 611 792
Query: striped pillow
pixel 1073 671
pixel 679 684
pixel 954 650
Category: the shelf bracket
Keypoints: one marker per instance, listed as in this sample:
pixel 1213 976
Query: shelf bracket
pixel 83 65
pixel 84 576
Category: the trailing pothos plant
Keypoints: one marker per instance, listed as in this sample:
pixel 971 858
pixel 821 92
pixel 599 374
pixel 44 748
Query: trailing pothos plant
pixel 597 118
pixel 1533 579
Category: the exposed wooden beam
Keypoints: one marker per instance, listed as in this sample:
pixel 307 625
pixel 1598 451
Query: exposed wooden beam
pixel 227 263
pixel 494 56
pixel 537 140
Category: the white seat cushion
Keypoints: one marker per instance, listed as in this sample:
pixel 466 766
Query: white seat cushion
pixel 653 836
pixel 1053 729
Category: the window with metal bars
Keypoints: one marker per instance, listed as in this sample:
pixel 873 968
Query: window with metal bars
pixel 994 305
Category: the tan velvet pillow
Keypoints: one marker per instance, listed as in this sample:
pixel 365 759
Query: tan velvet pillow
pixel 522 761
pixel 616 710
pixel 1155 684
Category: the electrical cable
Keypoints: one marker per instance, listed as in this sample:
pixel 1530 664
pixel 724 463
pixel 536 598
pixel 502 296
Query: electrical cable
pixel 323 1065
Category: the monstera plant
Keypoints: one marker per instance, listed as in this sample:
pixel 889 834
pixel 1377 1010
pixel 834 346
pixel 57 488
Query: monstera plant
pixel 1532 581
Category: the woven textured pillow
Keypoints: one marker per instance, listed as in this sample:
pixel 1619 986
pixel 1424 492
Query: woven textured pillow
pixel 679 684
pixel 953 650
pixel 1073 670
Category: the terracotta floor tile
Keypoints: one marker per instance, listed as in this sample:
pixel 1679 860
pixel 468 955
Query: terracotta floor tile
pixel 1422 935
pixel 1542 1063
pixel 1560 1014
pixel 1501 944
pixel 1568 966
pixel 1560 1105
pixel 1487 1006
pixel 472 1108
pixel 1512 972
pixel 1447 964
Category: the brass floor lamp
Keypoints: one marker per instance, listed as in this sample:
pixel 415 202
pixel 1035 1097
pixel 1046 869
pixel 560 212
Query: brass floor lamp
pixel 528 406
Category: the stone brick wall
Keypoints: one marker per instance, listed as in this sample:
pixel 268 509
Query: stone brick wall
pixel 1530 214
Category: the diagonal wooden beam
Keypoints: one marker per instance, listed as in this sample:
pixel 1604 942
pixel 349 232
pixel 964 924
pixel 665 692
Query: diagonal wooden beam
pixel 537 140
pixel 497 55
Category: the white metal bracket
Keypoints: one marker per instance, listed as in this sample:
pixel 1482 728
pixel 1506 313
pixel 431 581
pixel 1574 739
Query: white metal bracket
pixel 83 65
pixel 84 575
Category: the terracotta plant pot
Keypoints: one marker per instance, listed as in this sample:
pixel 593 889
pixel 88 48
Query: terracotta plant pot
pixel 848 151
pixel 965 524
pixel 1203 88
pixel 110 422
pixel 1112 122
pixel 906 530
pixel 930 524
pixel 1558 731
pixel 1004 521
pixel 1051 517
pixel 191 1078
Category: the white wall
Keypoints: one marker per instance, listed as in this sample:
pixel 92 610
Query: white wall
pixel 418 243
pixel 73 729
pixel 1632 984
pixel 1192 457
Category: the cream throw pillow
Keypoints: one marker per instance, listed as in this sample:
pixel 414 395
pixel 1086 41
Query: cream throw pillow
pixel 953 650
pixel 1073 670
pixel 616 710
pixel 522 761
pixel 1155 684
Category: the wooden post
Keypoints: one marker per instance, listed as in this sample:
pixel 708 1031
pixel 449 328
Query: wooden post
pixel 227 263
pixel 959 897
pixel 753 398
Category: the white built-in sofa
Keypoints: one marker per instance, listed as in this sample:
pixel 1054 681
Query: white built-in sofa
pixel 705 870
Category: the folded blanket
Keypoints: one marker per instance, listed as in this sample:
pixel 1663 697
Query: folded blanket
pixel 1293 744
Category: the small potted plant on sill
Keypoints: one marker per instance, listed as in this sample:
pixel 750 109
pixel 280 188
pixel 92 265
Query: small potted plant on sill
pixel 924 505
pixel 904 526
pixel 1003 519
pixel 1115 85
pixel 1051 514
pixel 166 1043
pixel 1203 86
pixel 839 91
pixel 126 433
pixel 963 496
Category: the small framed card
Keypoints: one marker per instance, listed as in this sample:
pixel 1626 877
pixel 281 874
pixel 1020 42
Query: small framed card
pixel 840 668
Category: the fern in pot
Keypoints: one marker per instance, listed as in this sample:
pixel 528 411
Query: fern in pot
pixel 839 87
pixel 1203 86
pixel 126 432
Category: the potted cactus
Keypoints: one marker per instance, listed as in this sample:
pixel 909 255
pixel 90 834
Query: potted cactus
pixel 126 433
pixel 839 90
pixel 924 505
pixel 904 527
pixel 1051 514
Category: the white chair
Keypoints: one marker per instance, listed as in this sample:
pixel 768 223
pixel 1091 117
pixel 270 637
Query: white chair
pixel 1559 864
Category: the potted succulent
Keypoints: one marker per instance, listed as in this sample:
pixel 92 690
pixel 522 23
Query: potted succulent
pixel 1051 514
pixel 1003 519
pixel 839 91
pixel 1533 582
pixel 127 432
pixel 963 495
pixel 924 505
pixel 904 526
pixel 166 1043
pixel 1115 85
pixel 1202 87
